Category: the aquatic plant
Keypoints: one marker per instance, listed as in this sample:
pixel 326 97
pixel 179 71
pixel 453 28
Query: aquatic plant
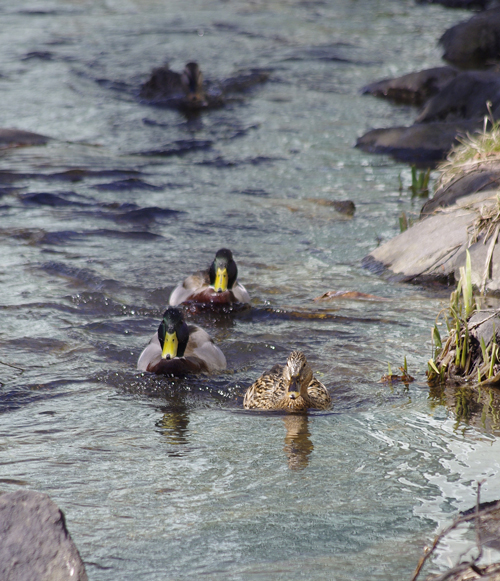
pixel 463 357
pixel 419 183
pixel 391 377
pixel 405 221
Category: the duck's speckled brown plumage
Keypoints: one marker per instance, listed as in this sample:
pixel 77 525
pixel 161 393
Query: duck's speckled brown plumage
pixel 290 388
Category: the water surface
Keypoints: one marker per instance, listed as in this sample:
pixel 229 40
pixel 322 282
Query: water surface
pixel 171 479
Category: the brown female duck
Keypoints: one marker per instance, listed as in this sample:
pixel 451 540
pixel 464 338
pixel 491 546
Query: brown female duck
pixel 291 388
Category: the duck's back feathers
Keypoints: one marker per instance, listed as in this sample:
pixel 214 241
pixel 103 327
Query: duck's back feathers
pixel 201 347
pixel 163 84
pixel 189 288
pixel 266 391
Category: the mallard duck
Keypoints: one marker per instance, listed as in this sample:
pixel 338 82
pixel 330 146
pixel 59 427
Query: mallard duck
pixel 217 285
pixel 177 89
pixel 177 348
pixel 289 388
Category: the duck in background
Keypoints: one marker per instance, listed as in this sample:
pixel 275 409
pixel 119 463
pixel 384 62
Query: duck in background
pixel 291 388
pixel 178 349
pixel 216 286
pixel 182 90
pixel 188 92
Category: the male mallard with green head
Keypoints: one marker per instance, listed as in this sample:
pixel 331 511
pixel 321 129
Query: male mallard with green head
pixel 178 348
pixel 217 285
pixel 290 388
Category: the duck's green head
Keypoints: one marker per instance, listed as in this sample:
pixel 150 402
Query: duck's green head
pixel 223 271
pixel 298 374
pixel 173 334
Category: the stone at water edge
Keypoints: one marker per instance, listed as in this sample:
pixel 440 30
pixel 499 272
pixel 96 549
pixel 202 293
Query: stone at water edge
pixel 424 144
pixel 434 248
pixel 413 88
pixel 18 138
pixel 34 541
pixel 482 177
pixel 474 43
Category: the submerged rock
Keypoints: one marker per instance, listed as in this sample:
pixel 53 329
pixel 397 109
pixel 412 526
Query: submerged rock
pixel 474 43
pixel 18 138
pixel 34 540
pixel 413 88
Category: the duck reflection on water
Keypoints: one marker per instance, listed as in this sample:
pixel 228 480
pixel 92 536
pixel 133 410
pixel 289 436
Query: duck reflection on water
pixel 174 423
pixel 298 446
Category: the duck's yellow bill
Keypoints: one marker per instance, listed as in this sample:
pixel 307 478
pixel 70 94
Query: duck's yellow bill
pixel 293 394
pixel 221 280
pixel 170 346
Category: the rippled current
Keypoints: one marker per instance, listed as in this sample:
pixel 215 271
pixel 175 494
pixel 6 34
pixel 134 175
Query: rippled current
pixel 170 479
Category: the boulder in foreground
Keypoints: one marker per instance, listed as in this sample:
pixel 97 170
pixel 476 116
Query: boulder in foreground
pixel 434 248
pixel 34 541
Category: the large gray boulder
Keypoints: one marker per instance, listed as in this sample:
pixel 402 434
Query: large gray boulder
pixel 474 43
pixel 413 88
pixel 434 248
pixel 35 544
pixel 465 97
pixel 424 144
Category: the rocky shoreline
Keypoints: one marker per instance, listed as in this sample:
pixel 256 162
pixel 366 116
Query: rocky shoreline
pixel 454 98
pixel 455 239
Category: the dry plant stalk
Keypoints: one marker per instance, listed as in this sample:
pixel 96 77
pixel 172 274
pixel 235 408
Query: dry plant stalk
pixel 489 217
pixel 460 570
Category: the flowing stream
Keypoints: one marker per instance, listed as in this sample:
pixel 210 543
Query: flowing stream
pixel 165 479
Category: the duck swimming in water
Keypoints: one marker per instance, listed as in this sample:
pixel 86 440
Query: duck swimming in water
pixel 217 285
pixel 189 92
pixel 176 89
pixel 291 388
pixel 178 348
